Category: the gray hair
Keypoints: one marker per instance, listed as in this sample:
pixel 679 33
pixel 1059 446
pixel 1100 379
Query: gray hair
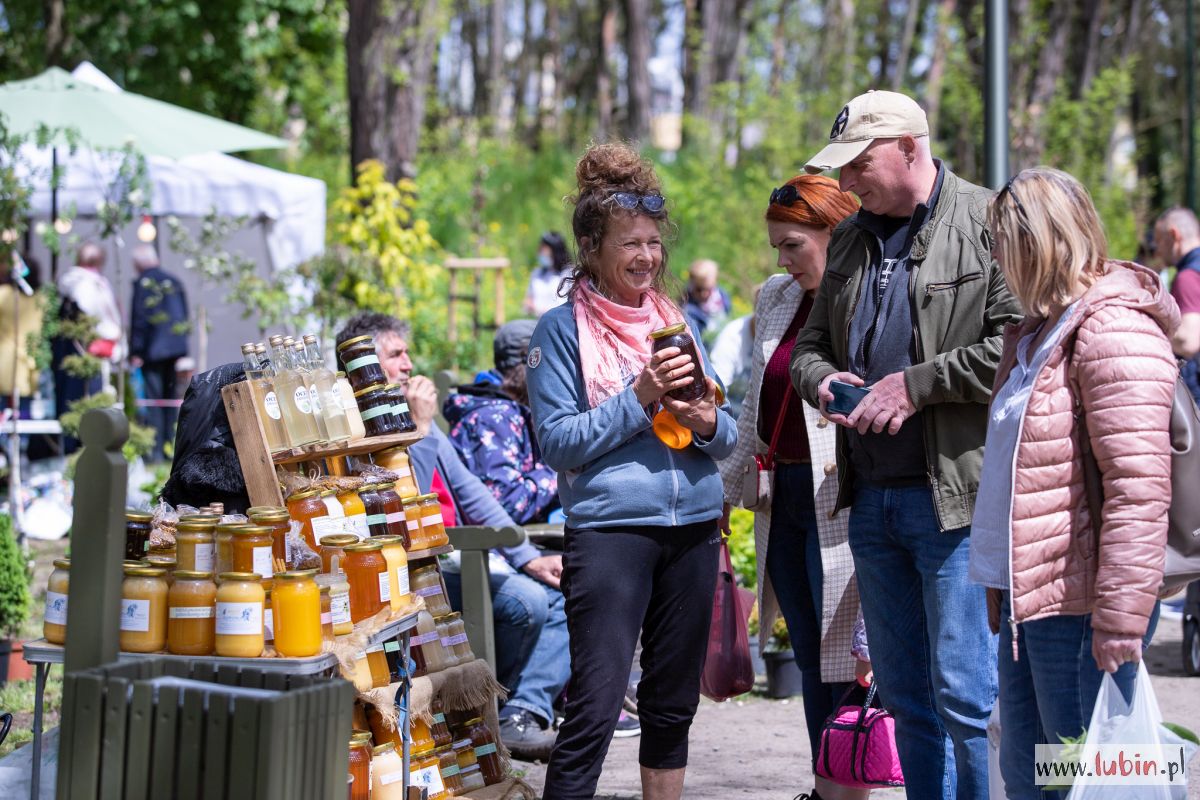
pixel 145 257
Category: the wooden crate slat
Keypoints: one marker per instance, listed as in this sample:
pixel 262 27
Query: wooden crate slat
pixel 338 737
pixel 270 749
pixel 251 444
pixel 137 742
pixel 112 757
pixel 227 675
pixel 163 756
pixel 87 722
pixel 216 748
pixel 243 749
pixel 66 742
pixel 190 746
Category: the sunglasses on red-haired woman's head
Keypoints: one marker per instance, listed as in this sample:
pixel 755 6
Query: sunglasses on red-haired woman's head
pixel 786 195
pixel 651 203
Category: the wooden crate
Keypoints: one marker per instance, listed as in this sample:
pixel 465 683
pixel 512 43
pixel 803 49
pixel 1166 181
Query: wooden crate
pixel 124 737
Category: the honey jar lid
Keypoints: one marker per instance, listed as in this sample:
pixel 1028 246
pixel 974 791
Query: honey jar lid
pixel 133 515
pixel 359 737
pixel 252 530
pixel 355 340
pixel 231 527
pixel 301 495
pixel 339 539
pixel 473 721
pixel 364 546
pixel 386 747
pixel 323 588
pixel 240 576
pixel 383 487
pixel 398 448
pixel 62 563
pixel 340 375
pixel 209 519
pixel 159 561
pixel 269 515
pixel 388 539
pixel 295 575
pixel 192 575
pixel 195 527
pixel 670 330
pixel 425 498
pixel 144 571
pixel 329 493
pixel 374 387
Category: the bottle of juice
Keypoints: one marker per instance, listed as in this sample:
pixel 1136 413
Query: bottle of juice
pixel 300 362
pixel 325 386
pixel 266 402
pixel 293 397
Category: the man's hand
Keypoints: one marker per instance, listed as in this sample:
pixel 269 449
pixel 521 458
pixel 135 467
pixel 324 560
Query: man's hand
pixel 887 405
pixel 723 525
pixel 699 416
pixel 547 569
pixel 825 395
pixel 1111 650
pixel 422 402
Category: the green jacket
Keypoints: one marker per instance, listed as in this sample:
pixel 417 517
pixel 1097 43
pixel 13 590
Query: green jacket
pixel 960 303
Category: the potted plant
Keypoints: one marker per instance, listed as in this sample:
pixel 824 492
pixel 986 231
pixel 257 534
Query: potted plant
pixel 14 604
pixel 779 663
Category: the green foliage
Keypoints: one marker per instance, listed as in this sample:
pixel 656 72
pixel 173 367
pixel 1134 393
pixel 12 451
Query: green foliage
pixel 741 546
pixel 15 600
pixel 141 437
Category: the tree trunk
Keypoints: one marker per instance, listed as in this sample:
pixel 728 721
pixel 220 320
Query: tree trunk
pixel 696 78
pixel 496 37
pixel 937 62
pixel 883 33
pixel 911 16
pixel 778 48
pixel 637 55
pixel 54 13
pixel 554 57
pixel 526 63
pixel 479 79
pixel 1031 143
pixel 388 66
pixel 1094 12
pixel 607 43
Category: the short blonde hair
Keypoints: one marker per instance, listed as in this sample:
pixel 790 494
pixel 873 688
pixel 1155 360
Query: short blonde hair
pixel 1048 237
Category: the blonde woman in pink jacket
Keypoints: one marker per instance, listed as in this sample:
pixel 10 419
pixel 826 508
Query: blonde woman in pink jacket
pixel 1091 363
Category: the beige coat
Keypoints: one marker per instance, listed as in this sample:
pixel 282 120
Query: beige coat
pixel 17 326
pixel 777 305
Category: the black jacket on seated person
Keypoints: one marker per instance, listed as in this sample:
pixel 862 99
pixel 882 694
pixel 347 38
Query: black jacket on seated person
pixel 158 329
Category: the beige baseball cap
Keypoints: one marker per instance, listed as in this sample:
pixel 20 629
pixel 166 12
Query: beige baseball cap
pixel 870 116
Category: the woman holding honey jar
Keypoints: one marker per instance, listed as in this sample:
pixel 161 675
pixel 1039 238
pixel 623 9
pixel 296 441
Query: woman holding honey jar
pixel 641 544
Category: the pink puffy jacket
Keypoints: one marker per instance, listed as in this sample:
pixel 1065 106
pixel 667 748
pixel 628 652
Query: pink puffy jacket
pixel 1116 364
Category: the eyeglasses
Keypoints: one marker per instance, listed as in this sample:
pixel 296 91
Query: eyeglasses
pixel 1008 189
pixel 786 195
pixel 651 203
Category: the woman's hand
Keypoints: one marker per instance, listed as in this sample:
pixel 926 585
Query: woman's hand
pixel 666 370
pixel 699 416
pixel 1111 650
pixel 863 672
pixel 723 524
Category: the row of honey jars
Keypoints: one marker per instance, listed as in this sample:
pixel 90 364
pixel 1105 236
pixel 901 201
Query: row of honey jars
pixel 426 528
pixel 373 509
pixel 377 571
pixel 396 461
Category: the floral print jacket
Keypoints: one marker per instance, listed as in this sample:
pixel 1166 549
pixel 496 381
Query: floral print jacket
pixel 494 438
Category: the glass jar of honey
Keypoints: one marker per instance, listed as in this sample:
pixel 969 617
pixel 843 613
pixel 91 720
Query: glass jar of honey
pixel 333 556
pixel 464 751
pixel 458 642
pixel 431 521
pixel 426 582
pixel 138 525
pixel 380 731
pixel 223 545
pixel 442 625
pixel 239 629
pixel 194 547
pixel 54 622
pixel 326 615
pixel 339 602
pixel 425 646
pixel 202 517
pixel 417 539
pixel 376 513
pixel 143 610
pixel 355 512
pixel 393 507
pixel 165 563
pixel 253 551
pixel 268 618
pixel 361 672
pixel 391 650
pixel 387 773
pixel 377 664
pixel 400 408
pixel 424 773
pixel 306 507
pixel 366 571
pixel 280 523
pixel 360 765
pixel 471 778
pixel 485 751
pixel 397 565
pixel 376 409
pixel 361 361
pixel 296 608
pixel 439 729
pixel 191 604
pixel 396 461
pixel 448 767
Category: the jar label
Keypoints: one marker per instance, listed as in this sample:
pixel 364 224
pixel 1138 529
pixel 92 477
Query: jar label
pixel 56 608
pixel 439 718
pixel 430 777
pixel 385 588
pixel 262 562
pixel 357 524
pixel 377 411
pixel 271 404
pixel 391 777
pixel 240 619
pixel 450 770
pixel 335 403
pixel 361 361
pixel 401 472
pixel 268 625
pixel 429 591
pixel 400 408
pixel 334 507
pixel 485 750
pixel 431 519
pixel 339 607
pixel 326 618
pixel 204 557
pixel 314 398
pixel 301 398
pixel 328 526
pixel 402 579
pixel 423 638
pixel 393 647
pixel 190 612
pixel 375 648
pixel 376 519
pixel 456 639
pixel 135 615
pixel 446 643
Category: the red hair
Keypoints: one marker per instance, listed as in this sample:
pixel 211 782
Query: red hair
pixel 821 203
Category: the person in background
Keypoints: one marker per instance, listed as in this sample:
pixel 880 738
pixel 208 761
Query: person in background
pixel 528 608
pixel 1177 243
pixel 912 306
pixel 801 546
pixel 546 280
pixel 1079 599
pixel 492 432
pixel 84 291
pixel 158 338
pixel 732 353
pixel 20 320
pixel 641 542
pixel 706 305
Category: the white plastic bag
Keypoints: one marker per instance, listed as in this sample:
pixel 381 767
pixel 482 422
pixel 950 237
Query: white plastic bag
pixel 1139 722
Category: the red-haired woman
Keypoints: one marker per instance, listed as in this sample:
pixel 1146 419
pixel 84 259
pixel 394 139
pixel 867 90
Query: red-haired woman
pixel 804 565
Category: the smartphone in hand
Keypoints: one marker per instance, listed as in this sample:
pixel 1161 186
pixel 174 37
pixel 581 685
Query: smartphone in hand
pixel 846 397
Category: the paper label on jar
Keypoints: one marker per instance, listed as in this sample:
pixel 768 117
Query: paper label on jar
pixel 375 648
pixel 301 398
pixel 190 612
pixel 431 519
pixel 56 608
pixel 328 526
pixel 204 557
pixel 239 619
pixel 414 525
pixel 423 638
pixel 438 719
pixel 268 625
pixel 326 618
pixel 361 361
pixel 402 580
pixel 335 403
pixel 456 639
pixel 429 591
pixel 314 398
pixel 376 519
pixel 449 771
pixel 390 778
pixel 271 404
pixel 357 525
pixel 372 413
pixel 402 472
pixel 262 562
pixel 400 408
pixel 385 588
pixel 394 647
pixel 429 777
pixel 339 607
pixel 485 750
pixel 334 507
pixel 395 518
pixel 135 615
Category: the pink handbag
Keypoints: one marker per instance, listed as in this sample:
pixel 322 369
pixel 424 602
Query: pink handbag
pixel 858 746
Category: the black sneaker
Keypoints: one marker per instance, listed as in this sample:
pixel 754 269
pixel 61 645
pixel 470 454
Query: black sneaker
pixel 524 736
pixel 627 725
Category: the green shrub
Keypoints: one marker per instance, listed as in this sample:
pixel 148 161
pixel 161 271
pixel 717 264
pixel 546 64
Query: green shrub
pixel 15 600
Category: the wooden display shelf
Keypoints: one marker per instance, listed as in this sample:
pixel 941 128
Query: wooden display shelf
pixel 433 552
pixel 257 462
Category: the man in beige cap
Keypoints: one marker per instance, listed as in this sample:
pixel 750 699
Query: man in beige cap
pixel 912 308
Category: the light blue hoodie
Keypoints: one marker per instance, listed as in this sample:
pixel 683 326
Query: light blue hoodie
pixel 613 470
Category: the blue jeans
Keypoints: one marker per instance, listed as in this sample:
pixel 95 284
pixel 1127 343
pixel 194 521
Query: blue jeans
pixel 532 658
pixel 932 651
pixel 794 566
pixel 1050 690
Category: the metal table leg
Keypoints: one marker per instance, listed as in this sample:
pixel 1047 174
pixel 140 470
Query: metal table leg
pixel 35 782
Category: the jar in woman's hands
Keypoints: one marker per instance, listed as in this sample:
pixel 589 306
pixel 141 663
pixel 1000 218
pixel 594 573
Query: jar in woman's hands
pixel 677 336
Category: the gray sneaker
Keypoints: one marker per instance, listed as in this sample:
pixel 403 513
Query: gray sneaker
pixel 524 736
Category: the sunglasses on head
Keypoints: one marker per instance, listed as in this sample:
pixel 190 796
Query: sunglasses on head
pixel 1008 189
pixel 651 203
pixel 786 195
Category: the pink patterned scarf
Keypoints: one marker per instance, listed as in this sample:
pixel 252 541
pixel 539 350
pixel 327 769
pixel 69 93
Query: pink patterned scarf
pixel 614 340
